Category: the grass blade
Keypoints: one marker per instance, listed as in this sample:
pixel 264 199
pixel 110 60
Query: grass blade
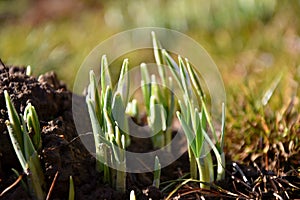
pixel 268 94
pixel 71 189
pixel 222 127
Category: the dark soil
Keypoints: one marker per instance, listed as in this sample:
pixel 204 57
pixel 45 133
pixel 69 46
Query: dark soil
pixel 53 104
pixel 64 153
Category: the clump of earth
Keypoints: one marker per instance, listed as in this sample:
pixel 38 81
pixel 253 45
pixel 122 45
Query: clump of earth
pixel 60 151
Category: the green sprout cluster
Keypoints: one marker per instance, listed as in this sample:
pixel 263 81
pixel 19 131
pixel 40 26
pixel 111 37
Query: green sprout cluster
pixel 109 108
pixel 159 100
pixel 109 123
pixel 20 128
pixel 194 117
pixel 159 108
pixel 196 122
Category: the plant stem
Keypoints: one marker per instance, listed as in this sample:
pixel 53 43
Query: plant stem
pixel 220 170
pixel 204 172
pixel 157 173
pixel 193 164
pixel 168 138
pixel 121 177
pixel 71 189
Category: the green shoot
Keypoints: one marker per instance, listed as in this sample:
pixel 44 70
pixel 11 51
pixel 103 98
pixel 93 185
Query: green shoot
pixel 160 105
pixel 28 70
pixel 24 147
pixel 194 124
pixel 196 120
pixel 157 172
pixel 159 99
pixel 132 195
pixel 107 110
pixel 71 189
pixel 33 125
pixel 217 148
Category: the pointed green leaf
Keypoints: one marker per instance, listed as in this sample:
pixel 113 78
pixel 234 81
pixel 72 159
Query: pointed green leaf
pixel 157 116
pixel 157 49
pixel 189 134
pixel 268 94
pixel 163 118
pixel 105 76
pixel 108 101
pixel 195 80
pixel 108 125
pixel 17 147
pixel 159 58
pixel 146 86
pixel 156 91
pixel 95 96
pixel 123 83
pixel 118 113
pixel 97 131
pixel 33 125
pixel 183 109
pixel 28 146
pixel 172 65
pixel 171 107
pixel 118 136
pixel 222 128
pixel 184 78
pixel 71 189
pixel 14 120
pixel 198 130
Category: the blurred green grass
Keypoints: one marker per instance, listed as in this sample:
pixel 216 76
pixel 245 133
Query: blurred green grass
pixel 250 40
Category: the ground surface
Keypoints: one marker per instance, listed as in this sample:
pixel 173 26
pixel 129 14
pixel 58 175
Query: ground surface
pixel 63 153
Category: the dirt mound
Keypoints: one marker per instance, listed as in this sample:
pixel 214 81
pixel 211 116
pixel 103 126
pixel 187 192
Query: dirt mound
pixel 60 152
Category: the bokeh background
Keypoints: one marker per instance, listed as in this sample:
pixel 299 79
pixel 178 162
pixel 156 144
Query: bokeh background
pixel 251 41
